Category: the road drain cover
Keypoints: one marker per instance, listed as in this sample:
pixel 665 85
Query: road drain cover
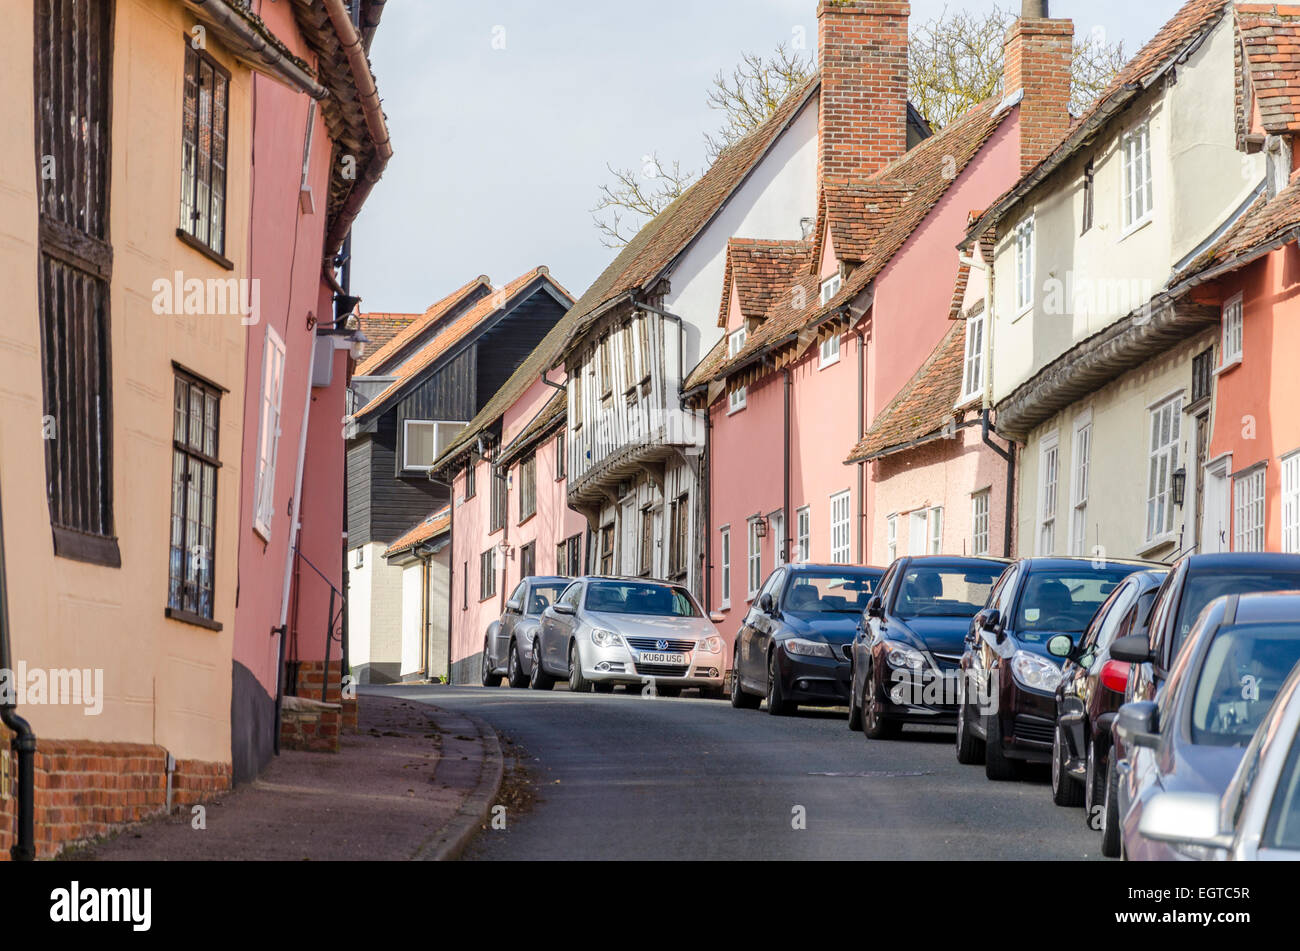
pixel 881 773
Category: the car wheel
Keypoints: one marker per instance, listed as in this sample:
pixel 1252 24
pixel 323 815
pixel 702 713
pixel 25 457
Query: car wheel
pixel 739 699
pixel 489 679
pixel 1066 790
pixel 777 705
pixel 1094 788
pixel 515 677
pixel 577 682
pixel 538 679
pixel 1110 837
pixel 875 725
pixel 970 748
pixel 996 764
pixel 855 711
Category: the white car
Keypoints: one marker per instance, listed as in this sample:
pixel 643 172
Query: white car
pixel 606 631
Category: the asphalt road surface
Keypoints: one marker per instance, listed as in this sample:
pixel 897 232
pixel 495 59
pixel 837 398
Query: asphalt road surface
pixel 620 776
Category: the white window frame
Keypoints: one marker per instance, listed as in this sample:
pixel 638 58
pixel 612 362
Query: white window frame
pixel 440 442
pixel 891 537
pixel 979 521
pixel 776 530
pixel 724 546
pixel 918 532
pixel 268 433
pixel 841 528
pixel 1291 502
pixel 735 343
pixel 830 287
pixel 1137 190
pixel 1049 480
pixel 1249 512
pixel 935 545
pixel 972 372
pixel 1162 461
pixel 753 561
pixel 829 351
pixel 1081 465
pixel 803 533
pixel 1023 238
pixel 1234 331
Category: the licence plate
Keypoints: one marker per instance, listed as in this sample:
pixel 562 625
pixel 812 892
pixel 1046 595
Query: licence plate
pixel 657 657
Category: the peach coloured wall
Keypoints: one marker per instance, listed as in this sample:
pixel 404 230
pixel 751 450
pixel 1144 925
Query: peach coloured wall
pixel 1256 415
pixel 166 682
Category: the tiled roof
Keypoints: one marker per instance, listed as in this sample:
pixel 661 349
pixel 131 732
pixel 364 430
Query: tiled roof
pixel 430 527
pixel 1193 19
pixel 552 413
pixel 855 214
pixel 380 328
pixel 1270 35
pixel 424 322
pixel 656 245
pixel 760 270
pixel 1264 224
pixel 924 406
pixel 456 331
pixel 926 171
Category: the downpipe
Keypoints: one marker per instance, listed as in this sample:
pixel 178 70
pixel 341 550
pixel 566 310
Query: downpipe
pixel 24 741
pixel 1009 455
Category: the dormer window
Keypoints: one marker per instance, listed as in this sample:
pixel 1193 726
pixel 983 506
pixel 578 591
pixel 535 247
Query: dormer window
pixel 831 287
pixel 735 344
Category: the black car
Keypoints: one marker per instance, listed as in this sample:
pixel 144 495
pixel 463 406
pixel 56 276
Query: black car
pixel 508 646
pixel 1090 693
pixel 910 640
pixel 793 647
pixel 1193 582
pixel 1010 717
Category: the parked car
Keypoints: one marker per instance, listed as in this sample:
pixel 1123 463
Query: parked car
pixel 909 642
pixel 1089 695
pixel 1192 583
pixel 1258 818
pixel 1237 657
pixel 793 647
pixel 507 648
pixel 604 631
pixel 1012 717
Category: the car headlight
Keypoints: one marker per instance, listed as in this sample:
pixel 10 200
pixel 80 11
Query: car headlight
pixel 1034 672
pixel 805 648
pixel 602 638
pixel 710 645
pixel 900 655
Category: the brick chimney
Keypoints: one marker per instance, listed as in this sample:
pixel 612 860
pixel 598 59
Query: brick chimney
pixel 1037 54
pixel 862 45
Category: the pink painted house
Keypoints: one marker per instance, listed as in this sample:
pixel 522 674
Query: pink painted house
pixel 510 517
pixel 808 362
pixel 300 353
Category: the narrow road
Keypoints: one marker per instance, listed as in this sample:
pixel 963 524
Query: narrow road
pixel 622 776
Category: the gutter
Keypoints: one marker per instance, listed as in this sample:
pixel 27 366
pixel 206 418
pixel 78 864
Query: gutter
pixel 24 741
pixel 276 62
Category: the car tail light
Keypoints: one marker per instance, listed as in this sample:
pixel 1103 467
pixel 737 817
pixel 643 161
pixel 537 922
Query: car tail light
pixel 1114 675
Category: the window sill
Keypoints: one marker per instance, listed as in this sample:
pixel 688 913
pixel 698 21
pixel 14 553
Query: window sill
pixel 733 410
pixel 203 249
pixel 1155 544
pixel 1227 367
pixel 82 546
pixel 1136 227
pixel 724 606
pixel 189 617
pixel 826 364
pixel 1022 311
pixel 527 518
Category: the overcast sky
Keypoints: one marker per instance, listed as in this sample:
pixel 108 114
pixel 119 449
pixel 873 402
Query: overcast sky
pixel 504 113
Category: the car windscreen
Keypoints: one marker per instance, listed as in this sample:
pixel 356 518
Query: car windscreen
pixel 1063 600
pixel 543 596
pixel 1241 675
pixel 944 591
pixel 829 592
pixel 1201 588
pixel 635 597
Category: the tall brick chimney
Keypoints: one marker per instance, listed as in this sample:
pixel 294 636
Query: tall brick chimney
pixel 862 45
pixel 1037 53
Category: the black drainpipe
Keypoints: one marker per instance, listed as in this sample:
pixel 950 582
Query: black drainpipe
pixel 1009 454
pixel 24 741
pixel 785 467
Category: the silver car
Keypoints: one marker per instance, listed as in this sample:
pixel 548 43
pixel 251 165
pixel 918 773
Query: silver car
pixel 606 631
pixel 508 646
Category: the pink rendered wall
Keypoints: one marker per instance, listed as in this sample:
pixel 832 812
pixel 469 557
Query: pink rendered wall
pixel 1257 402
pixel 285 254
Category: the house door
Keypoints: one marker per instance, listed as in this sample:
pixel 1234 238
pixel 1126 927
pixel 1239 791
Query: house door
pixel 1215 522
pixel 1198 473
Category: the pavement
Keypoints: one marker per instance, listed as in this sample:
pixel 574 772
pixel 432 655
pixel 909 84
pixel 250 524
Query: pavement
pixel 621 776
pixel 415 782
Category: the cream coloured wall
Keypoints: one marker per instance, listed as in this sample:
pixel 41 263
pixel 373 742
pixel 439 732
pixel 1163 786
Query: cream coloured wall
pixel 165 681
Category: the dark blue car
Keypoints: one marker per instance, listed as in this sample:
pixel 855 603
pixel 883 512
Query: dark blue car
pixel 910 640
pixel 793 647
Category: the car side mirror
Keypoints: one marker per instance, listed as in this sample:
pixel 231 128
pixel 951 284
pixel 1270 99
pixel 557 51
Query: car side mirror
pixel 1135 649
pixel 1062 645
pixel 1138 724
pixel 717 617
pixel 514 607
pixel 766 604
pixel 875 607
pixel 989 619
pixel 562 608
pixel 1184 818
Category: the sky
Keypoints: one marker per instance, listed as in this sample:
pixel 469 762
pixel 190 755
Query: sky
pixel 505 113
